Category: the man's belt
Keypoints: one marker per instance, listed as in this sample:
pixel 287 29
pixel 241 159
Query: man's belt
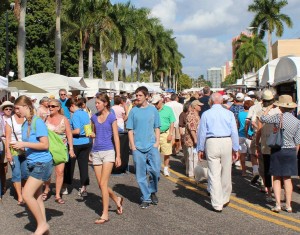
pixel 217 137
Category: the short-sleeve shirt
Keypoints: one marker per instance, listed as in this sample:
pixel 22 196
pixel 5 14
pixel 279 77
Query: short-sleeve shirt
pixel 192 122
pixel 166 116
pixel 242 123
pixel 182 119
pixel 37 129
pixel 177 109
pixel 236 108
pixel 119 112
pixel 143 121
pixel 66 110
pixel 79 119
pixel 104 133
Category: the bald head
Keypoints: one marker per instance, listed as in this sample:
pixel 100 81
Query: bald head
pixel 216 98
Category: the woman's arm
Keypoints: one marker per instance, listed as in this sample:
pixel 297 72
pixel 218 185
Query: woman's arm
pixel 8 132
pixel 117 143
pixel 69 137
pixel 269 119
pixel 43 144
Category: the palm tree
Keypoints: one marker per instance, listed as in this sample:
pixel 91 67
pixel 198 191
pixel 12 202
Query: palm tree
pixel 250 53
pixel 268 18
pixel 20 13
pixel 58 37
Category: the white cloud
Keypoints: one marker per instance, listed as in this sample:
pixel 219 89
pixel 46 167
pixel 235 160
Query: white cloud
pixel 204 28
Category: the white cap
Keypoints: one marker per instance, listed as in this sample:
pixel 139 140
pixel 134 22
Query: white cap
pixel 33 97
pixel 247 98
pixel 225 97
pixel 251 93
pixel 155 99
pixel 239 97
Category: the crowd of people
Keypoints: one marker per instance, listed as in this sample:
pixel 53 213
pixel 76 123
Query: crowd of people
pixel 224 129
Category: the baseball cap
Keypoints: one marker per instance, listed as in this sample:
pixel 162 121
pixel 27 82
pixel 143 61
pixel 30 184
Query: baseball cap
pixel 267 95
pixel 251 93
pixel 239 97
pixel 155 99
pixel 247 98
pixel 33 97
pixel 225 97
pixel 195 103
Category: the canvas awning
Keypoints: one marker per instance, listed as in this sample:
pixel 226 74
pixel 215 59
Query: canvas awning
pixel 24 86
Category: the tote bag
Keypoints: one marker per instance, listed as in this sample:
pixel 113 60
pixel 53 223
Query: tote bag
pixel 275 140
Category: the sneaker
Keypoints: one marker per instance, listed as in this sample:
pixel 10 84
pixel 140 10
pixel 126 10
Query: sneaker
pixel 166 171
pixel 82 193
pixel 64 191
pixel 144 205
pixel 154 199
pixel 254 179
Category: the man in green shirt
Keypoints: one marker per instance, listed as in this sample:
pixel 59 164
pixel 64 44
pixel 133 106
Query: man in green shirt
pixel 167 119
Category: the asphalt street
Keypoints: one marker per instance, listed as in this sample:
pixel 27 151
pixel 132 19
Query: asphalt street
pixel 184 208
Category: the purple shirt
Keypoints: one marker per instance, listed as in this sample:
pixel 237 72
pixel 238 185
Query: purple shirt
pixel 104 133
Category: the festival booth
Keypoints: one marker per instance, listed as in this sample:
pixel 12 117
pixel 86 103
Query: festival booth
pixel 52 82
pixel 92 89
pixel 4 91
pixel 287 77
pixel 267 78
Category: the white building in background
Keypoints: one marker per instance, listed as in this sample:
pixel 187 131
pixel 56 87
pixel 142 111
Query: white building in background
pixel 214 75
pixel 223 73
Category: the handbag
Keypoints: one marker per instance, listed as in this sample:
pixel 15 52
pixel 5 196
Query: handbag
pixel 275 140
pixel 20 153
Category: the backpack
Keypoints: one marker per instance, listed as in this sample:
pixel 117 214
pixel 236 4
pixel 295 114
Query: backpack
pixel 57 148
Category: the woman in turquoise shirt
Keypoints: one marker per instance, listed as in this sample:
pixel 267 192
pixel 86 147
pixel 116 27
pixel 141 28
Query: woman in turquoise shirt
pixel 39 161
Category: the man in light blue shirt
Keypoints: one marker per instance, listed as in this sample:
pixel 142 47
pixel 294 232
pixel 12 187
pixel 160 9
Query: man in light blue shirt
pixel 218 137
pixel 143 132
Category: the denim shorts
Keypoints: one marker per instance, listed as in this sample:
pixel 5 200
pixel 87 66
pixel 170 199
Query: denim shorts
pixel 40 170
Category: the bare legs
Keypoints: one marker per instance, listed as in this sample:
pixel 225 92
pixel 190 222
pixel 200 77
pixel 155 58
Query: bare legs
pixel 32 195
pixel 243 163
pixel 102 174
pixel 166 160
pixel 59 175
pixel 288 188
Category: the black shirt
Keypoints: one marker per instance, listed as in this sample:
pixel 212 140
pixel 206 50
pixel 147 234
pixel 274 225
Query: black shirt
pixel 204 100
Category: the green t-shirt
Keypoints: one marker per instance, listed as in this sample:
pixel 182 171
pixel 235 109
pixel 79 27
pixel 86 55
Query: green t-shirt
pixel 166 116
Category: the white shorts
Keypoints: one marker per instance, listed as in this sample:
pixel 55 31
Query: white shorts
pixel 244 145
pixel 100 157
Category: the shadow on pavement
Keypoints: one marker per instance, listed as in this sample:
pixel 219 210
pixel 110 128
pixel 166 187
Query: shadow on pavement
pixel 131 193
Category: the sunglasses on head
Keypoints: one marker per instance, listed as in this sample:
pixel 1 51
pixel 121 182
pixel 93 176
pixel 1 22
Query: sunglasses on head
pixel 52 106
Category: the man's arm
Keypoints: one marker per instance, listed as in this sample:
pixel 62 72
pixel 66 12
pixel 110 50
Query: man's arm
pixel 131 140
pixel 157 135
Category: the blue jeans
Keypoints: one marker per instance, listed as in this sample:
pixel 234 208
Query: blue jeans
pixel 147 162
pixel 40 170
pixel 19 169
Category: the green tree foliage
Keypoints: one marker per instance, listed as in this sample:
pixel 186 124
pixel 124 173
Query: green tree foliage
pixel 184 82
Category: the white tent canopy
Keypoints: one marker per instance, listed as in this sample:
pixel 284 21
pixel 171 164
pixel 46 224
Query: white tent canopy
pixel 3 83
pixel 269 72
pixel 287 70
pixel 52 82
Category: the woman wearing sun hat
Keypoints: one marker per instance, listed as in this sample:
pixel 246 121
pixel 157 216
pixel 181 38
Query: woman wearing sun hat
pixel 6 109
pixel 283 162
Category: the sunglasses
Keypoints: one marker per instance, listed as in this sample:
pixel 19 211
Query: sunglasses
pixel 52 106
pixel 8 109
pixel 62 94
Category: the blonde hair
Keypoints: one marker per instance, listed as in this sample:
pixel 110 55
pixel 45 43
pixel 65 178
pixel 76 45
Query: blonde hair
pixel 57 103
pixel 23 100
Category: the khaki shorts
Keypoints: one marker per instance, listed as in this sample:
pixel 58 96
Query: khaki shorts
pixel 176 133
pixel 252 147
pixel 164 145
pixel 100 157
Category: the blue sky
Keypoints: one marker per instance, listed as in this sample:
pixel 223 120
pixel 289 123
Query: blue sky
pixel 204 28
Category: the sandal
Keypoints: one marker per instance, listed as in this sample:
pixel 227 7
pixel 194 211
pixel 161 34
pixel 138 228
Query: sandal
pixel 59 200
pixel 120 208
pixel 45 196
pixel 21 203
pixel 276 209
pixel 101 221
pixel 288 209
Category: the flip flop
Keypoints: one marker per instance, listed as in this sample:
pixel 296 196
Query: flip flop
pixel 21 203
pixel 120 208
pixel 45 196
pixel 101 221
pixel 59 200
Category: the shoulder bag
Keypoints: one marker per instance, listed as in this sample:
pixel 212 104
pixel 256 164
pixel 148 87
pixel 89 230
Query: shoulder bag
pixel 275 140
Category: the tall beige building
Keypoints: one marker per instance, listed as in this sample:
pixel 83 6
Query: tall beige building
pixel 286 47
